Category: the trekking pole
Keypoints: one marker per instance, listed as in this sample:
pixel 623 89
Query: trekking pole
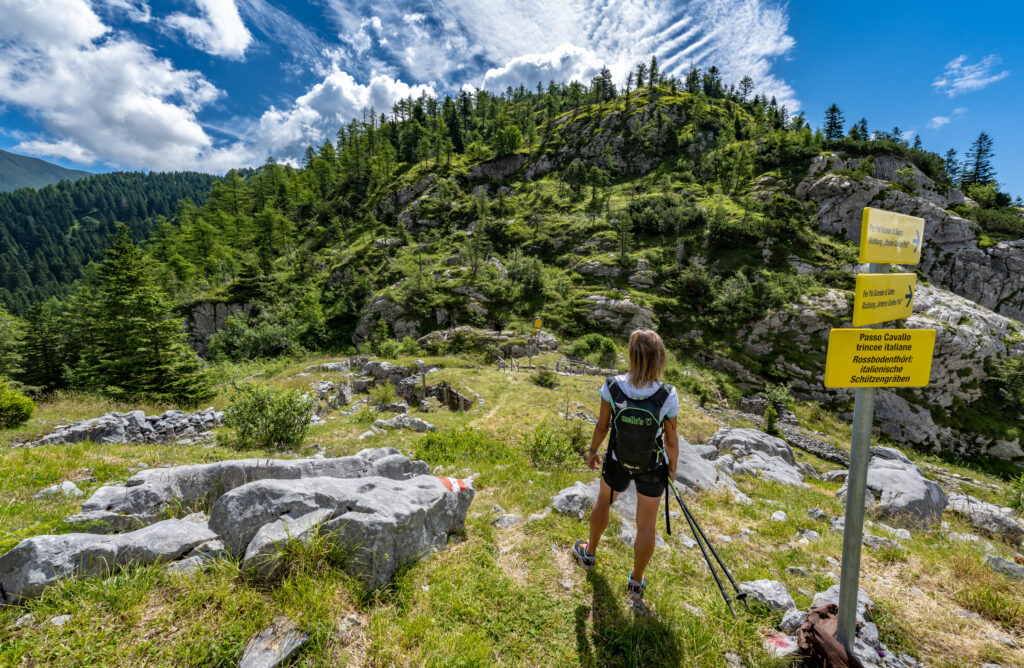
pixel 698 533
pixel 740 594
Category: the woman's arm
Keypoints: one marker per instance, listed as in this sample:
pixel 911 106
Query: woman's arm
pixel 600 431
pixel 671 447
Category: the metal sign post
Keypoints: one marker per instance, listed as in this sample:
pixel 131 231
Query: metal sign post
pixel 890 358
pixel 856 485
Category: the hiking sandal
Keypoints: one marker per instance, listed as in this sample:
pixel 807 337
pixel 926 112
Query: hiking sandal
pixel 634 589
pixel 579 552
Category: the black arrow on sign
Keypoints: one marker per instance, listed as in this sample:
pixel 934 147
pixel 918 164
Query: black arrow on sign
pixel 909 295
pixel 917 240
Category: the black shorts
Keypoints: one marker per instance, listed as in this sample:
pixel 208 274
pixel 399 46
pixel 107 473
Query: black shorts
pixel 648 483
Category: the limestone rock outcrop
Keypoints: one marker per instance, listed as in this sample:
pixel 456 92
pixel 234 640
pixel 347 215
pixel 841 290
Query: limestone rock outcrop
pixel 384 523
pixel 137 427
pixel 950 258
pixel 152 492
pixel 969 338
pixel 898 491
pixel 37 563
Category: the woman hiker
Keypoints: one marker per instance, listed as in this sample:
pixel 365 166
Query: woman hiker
pixel 641 412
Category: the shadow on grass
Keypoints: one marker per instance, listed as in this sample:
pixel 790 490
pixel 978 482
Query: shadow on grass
pixel 617 636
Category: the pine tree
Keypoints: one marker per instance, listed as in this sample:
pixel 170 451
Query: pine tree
pixel 833 123
pixel 42 349
pixel 652 76
pixel 10 337
pixel 862 128
pixel 133 343
pixel 952 164
pixel 917 143
pixel 746 85
pixel 978 164
pixel 641 72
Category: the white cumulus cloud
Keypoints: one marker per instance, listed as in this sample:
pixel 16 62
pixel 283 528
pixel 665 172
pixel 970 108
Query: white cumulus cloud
pixel 102 96
pixel 959 76
pixel 938 121
pixel 454 41
pixel 565 63
pixel 219 32
pixel 327 106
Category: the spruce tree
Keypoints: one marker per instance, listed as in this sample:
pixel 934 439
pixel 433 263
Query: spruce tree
pixel 134 345
pixel 653 74
pixel 862 129
pixel 746 85
pixel 833 123
pixel 42 349
pixel 10 336
pixel 952 165
pixel 978 165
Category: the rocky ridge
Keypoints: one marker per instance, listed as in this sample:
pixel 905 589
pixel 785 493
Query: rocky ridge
pixel 137 427
pixel 950 257
pixel 255 507
pixel 969 338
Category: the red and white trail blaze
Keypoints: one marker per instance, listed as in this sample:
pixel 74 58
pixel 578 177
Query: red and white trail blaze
pixel 453 484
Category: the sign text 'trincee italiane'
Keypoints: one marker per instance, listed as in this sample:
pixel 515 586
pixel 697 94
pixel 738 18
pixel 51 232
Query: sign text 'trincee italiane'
pixel 879 357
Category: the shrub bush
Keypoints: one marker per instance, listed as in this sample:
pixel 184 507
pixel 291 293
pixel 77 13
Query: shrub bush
pixel 263 417
pixel 556 445
pixel 595 348
pixel 382 394
pixel 409 346
pixel 15 407
pixel 545 378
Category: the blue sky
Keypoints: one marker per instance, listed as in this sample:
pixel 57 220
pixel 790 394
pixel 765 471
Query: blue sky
pixel 214 84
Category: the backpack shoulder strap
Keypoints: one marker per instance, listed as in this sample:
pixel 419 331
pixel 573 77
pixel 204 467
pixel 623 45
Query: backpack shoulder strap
pixel 618 396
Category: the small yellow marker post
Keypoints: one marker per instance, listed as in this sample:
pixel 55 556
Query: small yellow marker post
pixel 890 237
pixel 537 324
pixel 883 297
pixel 879 357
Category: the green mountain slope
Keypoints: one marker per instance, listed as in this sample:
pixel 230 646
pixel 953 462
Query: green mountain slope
pixel 47 236
pixel 682 205
pixel 21 171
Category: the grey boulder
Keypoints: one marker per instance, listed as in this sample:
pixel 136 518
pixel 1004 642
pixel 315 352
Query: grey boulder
pixel 792 620
pixel 274 645
pixel 831 595
pixel 742 442
pixel 578 499
pixel 880 542
pixel 37 563
pixel 770 593
pixel 153 492
pixel 986 517
pixel 263 554
pixel 1004 566
pixel 405 422
pixel 67 488
pixel 755 453
pixel 383 523
pixel 899 492
pixel 695 471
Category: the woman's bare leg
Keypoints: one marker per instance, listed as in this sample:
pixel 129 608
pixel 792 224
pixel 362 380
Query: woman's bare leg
pixel 646 523
pixel 599 517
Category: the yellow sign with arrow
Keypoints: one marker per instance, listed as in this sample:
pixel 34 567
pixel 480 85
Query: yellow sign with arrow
pixel 890 237
pixel 883 297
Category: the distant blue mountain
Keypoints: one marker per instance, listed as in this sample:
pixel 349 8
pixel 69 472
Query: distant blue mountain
pixel 21 171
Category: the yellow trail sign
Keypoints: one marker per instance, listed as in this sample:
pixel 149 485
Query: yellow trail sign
pixel 879 357
pixel 883 297
pixel 537 323
pixel 890 237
